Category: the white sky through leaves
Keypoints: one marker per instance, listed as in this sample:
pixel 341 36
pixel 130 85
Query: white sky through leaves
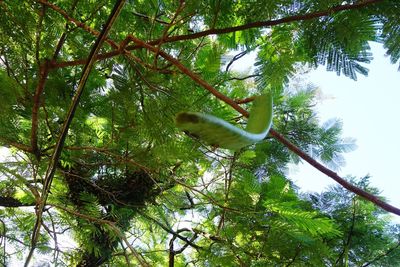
pixel 369 109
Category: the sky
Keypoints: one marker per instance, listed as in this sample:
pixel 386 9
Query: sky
pixel 369 109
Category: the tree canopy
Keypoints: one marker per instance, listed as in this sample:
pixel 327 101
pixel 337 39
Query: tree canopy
pixel 96 173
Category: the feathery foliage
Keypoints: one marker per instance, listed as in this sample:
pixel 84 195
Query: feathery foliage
pixel 130 188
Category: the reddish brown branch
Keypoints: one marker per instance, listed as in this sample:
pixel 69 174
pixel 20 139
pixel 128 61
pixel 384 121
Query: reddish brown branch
pixel 189 73
pixel 63 37
pixel 245 100
pixel 43 73
pixel 71 112
pixel 20 146
pixel 368 196
pixel 55 65
pixel 77 22
pixel 121 51
pixel 118 49
pixel 165 32
pixel 263 24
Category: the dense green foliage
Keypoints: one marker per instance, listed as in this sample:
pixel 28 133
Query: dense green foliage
pixel 130 188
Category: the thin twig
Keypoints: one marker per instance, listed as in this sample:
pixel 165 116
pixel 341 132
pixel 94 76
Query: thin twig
pixel 236 57
pixel 43 73
pixel 128 263
pixel 211 199
pixel 108 152
pixel 358 191
pixel 71 112
pixel 172 251
pixel 259 24
pixel 165 32
pixel 390 250
pixel 368 196
pixel 264 24
pixel 56 252
pixel 63 37
pixel 7 143
pixel 228 183
pixel 10 71
pixel 349 235
pixel 149 18
pixel 167 229
pixel 118 49
pixel 111 224
pixel 77 22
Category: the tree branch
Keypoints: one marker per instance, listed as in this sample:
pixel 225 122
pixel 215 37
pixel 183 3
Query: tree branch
pixel 149 18
pixel 349 237
pixel 55 65
pixel 236 57
pixel 63 37
pixel 11 202
pixel 296 254
pixel 368 196
pixel 117 231
pixel 246 100
pixel 264 24
pixel 77 22
pixel 23 147
pixel 189 73
pixel 165 228
pixel 60 143
pixel 108 152
pixel 172 251
pixel 43 73
pixel 118 49
pixel 165 32
pixel 390 250
pixel 260 24
pixel 243 78
pixel 358 191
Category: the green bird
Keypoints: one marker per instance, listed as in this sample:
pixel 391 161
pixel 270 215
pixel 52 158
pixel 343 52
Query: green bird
pixel 218 132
